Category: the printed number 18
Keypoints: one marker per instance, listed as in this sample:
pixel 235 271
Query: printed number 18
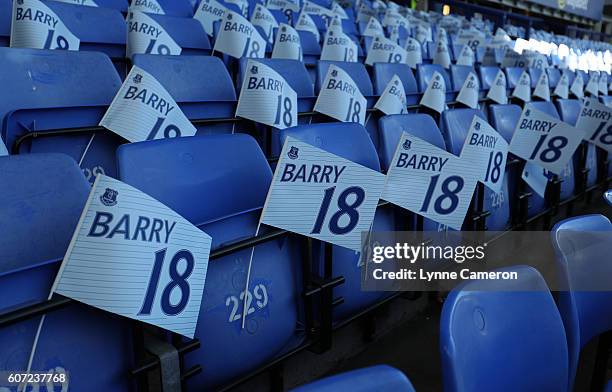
pixel 344 208
pixel 61 42
pixel 169 131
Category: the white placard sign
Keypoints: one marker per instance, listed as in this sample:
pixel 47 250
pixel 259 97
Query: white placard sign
pixel 287 45
pixel 441 35
pixel 595 120
pixel 486 150
pixel 150 6
pixel 542 88
pixel 423 33
pixel 414 54
pixel 383 50
pixel 145 35
pixel 337 197
pixel 603 83
pixel 577 87
pixel 544 140
pixel 471 38
pixel 522 90
pixel 488 58
pixel 263 18
pixel 209 12
pixel 238 38
pixel 442 56
pixel 561 89
pixel 592 86
pixel 163 282
pixel 338 10
pixel 434 96
pixel 305 23
pixel 468 95
pixel 243 6
pixel 287 7
pixel 266 97
pixel 36 26
pixel 89 3
pixel 513 59
pixel 430 181
pixel 536 177
pixel 393 99
pixel 339 47
pixel 144 110
pixel 340 97
pixel 3 150
pixel 466 56
pixel 365 13
pixel 373 28
pixel 313 8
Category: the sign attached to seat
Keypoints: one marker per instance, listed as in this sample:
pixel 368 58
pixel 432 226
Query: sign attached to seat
pixel 595 120
pixel 305 23
pixel 145 35
pixel 522 90
pixel 393 99
pixel 561 90
pixel 340 97
pixel 133 256
pixel 150 6
pixel 337 197
pixel 287 44
pixel 577 87
pixel 434 96
pixel 468 95
pixel 263 18
pixel 209 12
pixel 238 38
pixel 542 89
pixel 414 53
pixel 383 50
pixel 338 46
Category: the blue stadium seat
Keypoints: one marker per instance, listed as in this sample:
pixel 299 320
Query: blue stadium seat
pixel 380 378
pixel 569 109
pixel 382 74
pixel 503 335
pixel 534 74
pixel 40 204
pixel 333 138
pixel 311 50
pixel 180 8
pixel 283 17
pixel 487 76
pixel 53 90
pixel 426 71
pixel 119 5
pixel 586 302
pixel 188 33
pixel 553 76
pixel 570 76
pixel 458 75
pixel 356 71
pixel 512 76
pixel 6 10
pixel 455 124
pixel 184 174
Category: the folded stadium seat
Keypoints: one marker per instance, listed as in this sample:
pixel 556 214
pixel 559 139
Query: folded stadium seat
pixel 311 51
pixel 193 176
pixel 51 90
pixel 40 204
pixel 6 10
pixel 455 124
pixel 504 119
pixel 584 299
pixel 379 378
pixel 569 109
pixel 485 320
pixel 426 71
pixel 349 141
pixel 534 74
pixel 179 8
pixel 187 32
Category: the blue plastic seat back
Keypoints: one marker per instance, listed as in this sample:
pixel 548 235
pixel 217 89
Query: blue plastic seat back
pixel 570 76
pixel 582 270
pixel 425 73
pixel 6 11
pixel 585 76
pixel 606 100
pixel 553 76
pixel 383 73
pixel 458 75
pixel 195 178
pixel 41 201
pixel 333 138
pixel 48 90
pixel 282 17
pixel 119 5
pixel 311 49
pixel 380 378
pixel 569 109
pixel 188 33
pixel 517 320
pixel 487 76
pixel 534 74
pixel 356 71
pixel 512 75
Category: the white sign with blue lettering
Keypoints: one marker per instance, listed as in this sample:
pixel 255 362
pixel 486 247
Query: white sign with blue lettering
pixel 592 86
pixel 287 45
pixel 536 177
pixel 542 89
pixel 535 60
pixel 338 10
pixel 561 90
pixel 423 33
pixel 266 97
pixel 145 35
pixel 133 256
pixel 263 18
pixel 441 56
pixel 544 140
pixel 393 99
pixel 466 56
pixel 209 12
pixel 577 87
pixel 468 95
pixel 471 38
pixel 429 181
pixel 365 13
pixel 373 28
pixel 3 150
pixel 287 7
pixel 36 26
pixel 497 91
pixel 522 90
pixel 335 23
pixel 321 195
pixel 89 3
pixel 305 23
pixel 414 53
pixel 238 38
pixel 315 9
pixel 441 35
pixel 144 110
pixel 338 46
pixel 435 93
pixel 243 6
pixel 150 6
pixel 513 59
pixel 486 150
pixel 340 97
pixel 383 50
pixel 595 120
pixel 391 18
pixel 488 58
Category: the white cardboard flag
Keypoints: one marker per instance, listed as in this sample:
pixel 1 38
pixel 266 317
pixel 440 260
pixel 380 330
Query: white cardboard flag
pixel 393 99
pixel 266 97
pixel 603 83
pixel 313 8
pixel 468 95
pixel 338 10
pixel 133 256
pixel 36 26
pixel 3 150
pixel 592 86
pixel 340 97
pixel 238 38
pixel 442 56
pixel 145 35
pixel 150 6
pixel 577 87
pixel 335 23
pixel 561 90
pixel 535 60
pixel 595 120
pixel 471 38
pixel 209 12
pixel 144 110
pixel 488 58
pixel 420 177
pixel 287 45
pixel 434 96
pixel 243 6
pixel 441 35
pixel 544 140
pixel 414 54
pixel 522 90
pixel 383 50
pixel 486 150
pixel 365 13
pixel 423 34
pixel 322 183
pixel 339 47
pixel 513 59
pixel 89 3
pixel 287 7
pixel 373 28
pixel 391 18
pixel 542 88
pixel 466 56
pixel 263 18
pixel 536 177
pixel 305 23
